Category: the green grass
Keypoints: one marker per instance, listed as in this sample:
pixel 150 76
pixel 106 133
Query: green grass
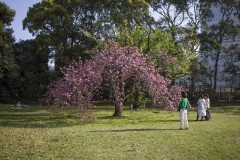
pixel 36 133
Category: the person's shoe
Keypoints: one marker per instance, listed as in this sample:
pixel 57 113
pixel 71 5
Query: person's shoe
pixel 181 129
pixel 186 128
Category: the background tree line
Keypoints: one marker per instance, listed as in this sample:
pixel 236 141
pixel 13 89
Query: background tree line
pixel 66 30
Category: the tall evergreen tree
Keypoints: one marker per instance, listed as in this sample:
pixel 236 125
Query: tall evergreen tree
pixel 64 29
pixel 8 67
pixel 34 74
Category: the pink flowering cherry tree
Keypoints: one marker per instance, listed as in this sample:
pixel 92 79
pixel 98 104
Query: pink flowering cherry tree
pixel 115 65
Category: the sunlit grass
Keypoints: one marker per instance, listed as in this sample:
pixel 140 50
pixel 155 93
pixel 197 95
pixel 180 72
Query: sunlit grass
pixel 36 133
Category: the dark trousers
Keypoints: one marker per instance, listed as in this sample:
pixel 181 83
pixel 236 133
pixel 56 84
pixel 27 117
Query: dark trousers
pixel 206 117
pixel 208 114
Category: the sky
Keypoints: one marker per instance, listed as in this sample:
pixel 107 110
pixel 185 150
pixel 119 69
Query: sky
pixel 21 9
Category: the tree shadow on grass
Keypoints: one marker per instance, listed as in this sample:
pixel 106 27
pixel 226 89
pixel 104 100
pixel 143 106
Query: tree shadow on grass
pixel 36 120
pixel 138 130
pixel 13 108
pixel 112 117
pixel 139 119
pixel 225 109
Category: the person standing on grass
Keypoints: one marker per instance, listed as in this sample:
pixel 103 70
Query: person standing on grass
pixel 182 108
pixel 207 106
pixel 201 108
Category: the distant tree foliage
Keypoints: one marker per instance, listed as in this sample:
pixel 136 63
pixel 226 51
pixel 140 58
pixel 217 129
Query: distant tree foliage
pixel 67 29
pixel 215 34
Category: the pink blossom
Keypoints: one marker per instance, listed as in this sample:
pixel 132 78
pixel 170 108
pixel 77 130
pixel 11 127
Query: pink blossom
pixel 115 65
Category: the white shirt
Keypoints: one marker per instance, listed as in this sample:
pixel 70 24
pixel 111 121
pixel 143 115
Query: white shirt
pixel 207 103
pixel 201 104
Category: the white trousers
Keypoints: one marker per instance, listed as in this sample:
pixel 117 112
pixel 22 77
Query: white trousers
pixel 201 113
pixel 183 118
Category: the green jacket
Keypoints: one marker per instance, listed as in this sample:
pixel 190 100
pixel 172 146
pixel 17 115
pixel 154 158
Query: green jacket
pixel 183 104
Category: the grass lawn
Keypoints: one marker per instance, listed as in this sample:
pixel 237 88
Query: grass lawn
pixel 36 133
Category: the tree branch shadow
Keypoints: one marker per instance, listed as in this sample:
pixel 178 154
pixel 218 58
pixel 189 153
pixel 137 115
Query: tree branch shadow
pixel 138 130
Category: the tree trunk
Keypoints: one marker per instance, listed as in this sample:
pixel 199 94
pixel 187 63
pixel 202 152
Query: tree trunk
pixel 118 111
pixel 192 89
pixel 215 71
pixel 136 104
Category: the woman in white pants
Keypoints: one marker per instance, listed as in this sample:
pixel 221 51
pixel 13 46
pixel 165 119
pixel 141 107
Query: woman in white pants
pixel 201 108
pixel 182 108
